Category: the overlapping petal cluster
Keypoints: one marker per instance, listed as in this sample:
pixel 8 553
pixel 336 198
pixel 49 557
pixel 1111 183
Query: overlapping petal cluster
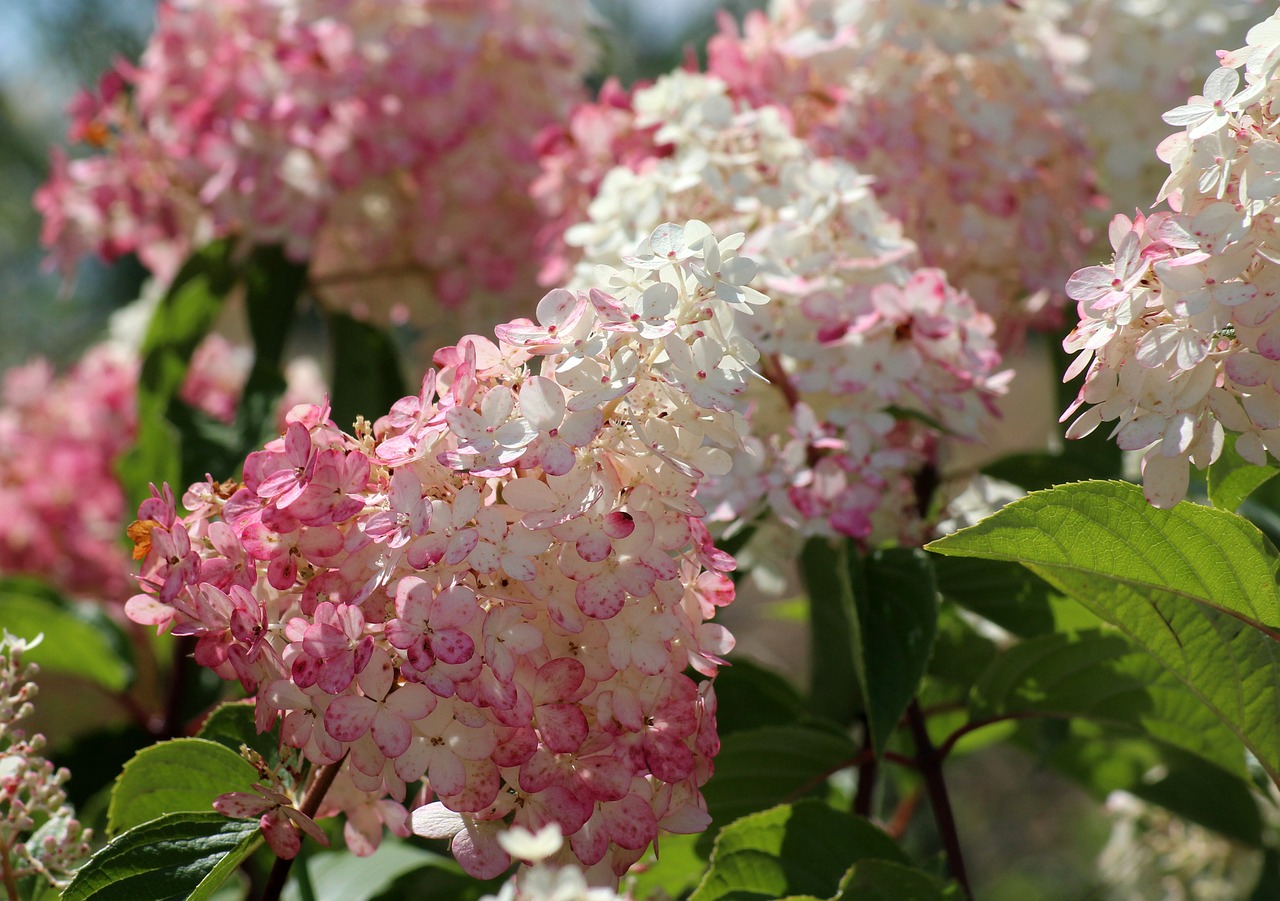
pixel 388 143
pixel 61 437
pixel 1178 336
pixel 1134 58
pixel 39 833
pixel 871 362
pixel 960 112
pixel 497 586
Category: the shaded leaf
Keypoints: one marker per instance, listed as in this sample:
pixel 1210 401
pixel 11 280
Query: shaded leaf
pixel 1232 478
pixel 897 608
pixel 1193 586
pixel 749 696
pixel 232 725
pixel 182 319
pixel 833 638
pixel 801 849
pixel 758 768
pixel 78 642
pixel 366 370
pixel 1006 594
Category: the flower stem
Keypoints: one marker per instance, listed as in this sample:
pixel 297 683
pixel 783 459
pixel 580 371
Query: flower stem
pixel 320 783
pixel 930 764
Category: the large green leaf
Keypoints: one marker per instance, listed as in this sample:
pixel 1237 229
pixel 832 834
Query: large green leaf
pixel 184 316
pixel 758 768
pixel 897 607
pixel 273 285
pixel 77 641
pixel 1194 586
pixel 1232 478
pixel 177 857
pixel 185 774
pixel 1100 677
pixel 801 849
pixel 886 880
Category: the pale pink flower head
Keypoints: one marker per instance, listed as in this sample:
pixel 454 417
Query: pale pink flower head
pixel 387 144
pixel 488 590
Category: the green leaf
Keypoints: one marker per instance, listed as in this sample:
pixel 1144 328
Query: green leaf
pixel 1101 677
pixel 273 284
pixel 677 868
pixel 366 370
pixel 897 607
pixel 758 768
pixel 184 316
pixel 887 880
pixel 78 642
pixel 185 774
pixel 341 876
pixel 801 849
pixel 749 696
pixel 1004 593
pixel 1232 478
pixel 834 643
pixel 1193 586
pixel 232 725
pixel 177 857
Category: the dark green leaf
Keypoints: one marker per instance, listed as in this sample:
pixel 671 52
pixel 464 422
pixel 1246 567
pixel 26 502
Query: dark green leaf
pixel 273 284
pixel 749 696
pixel 887 880
pixel 1194 586
pixel 758 768
pixel 897 605
pixel 833 639
pixel 178 857
pixel 232 725
pixel 366 370
pixel 801 849
pixel 185 774
pixel 1004 593
pixel 183 318
pixel 1101 677
pixel 76 642
pixel 1232 478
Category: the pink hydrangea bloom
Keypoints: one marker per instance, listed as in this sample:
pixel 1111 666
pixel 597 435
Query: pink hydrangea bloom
pixel 1178 336
pixel 497 587
pixel 961 114
pixel 871 362
pixel 390 144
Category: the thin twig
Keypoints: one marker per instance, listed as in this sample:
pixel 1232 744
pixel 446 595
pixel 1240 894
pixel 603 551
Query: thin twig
pixel 320 783
pixel 930 764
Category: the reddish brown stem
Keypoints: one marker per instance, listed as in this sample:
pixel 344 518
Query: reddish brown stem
pixel 321 781
pixel 930 764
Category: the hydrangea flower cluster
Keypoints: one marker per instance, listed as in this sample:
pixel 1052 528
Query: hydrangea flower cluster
pixel 960 112
pixel 390 144
pixel 870 362
pixel 1134 58
pixel 1178 335
pixel 39 834
pixel 497 586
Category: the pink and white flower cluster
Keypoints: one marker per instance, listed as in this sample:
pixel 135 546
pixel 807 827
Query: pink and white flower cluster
pixel 871 361
pixel 39 833
pixel 497 586
pixel 960 112
pixel 388 143
pixel 1178 336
